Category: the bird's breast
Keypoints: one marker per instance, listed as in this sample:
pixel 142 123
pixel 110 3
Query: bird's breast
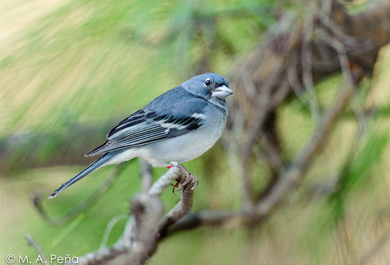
pixel 188 146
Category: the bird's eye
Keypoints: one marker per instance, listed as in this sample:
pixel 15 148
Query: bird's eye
pixel 207 82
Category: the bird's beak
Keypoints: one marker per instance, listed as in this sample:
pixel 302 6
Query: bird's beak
pixel 221 92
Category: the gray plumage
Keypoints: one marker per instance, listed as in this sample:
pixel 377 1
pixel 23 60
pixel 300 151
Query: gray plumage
pixel 176 127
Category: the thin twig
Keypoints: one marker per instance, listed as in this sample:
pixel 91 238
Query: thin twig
pixel 32 242
pixel 109 227
pixel 307 73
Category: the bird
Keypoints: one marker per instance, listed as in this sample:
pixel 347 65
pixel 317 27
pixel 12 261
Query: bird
pixel 177 126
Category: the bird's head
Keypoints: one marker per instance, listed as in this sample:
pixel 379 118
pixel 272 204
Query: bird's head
pixel 210 86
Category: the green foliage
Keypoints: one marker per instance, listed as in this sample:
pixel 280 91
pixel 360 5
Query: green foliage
pixel 357 177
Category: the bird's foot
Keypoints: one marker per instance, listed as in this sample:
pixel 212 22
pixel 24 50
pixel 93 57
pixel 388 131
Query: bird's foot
pixel 190 178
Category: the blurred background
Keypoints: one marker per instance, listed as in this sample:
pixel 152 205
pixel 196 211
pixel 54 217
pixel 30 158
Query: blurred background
pixel 70 70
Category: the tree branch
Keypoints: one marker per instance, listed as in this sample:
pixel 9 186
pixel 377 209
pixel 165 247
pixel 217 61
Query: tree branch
pixel 146 224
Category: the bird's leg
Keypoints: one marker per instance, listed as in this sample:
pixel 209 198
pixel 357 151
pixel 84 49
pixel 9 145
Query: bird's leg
pixel 190 178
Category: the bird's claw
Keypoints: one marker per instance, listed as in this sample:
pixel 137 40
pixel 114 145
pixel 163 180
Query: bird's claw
pixel 190 180
pixel 175 186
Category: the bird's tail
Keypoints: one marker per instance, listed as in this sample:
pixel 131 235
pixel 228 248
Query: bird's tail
pixel 102 161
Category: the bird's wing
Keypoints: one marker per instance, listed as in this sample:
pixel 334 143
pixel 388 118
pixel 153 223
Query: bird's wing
pixel 147 126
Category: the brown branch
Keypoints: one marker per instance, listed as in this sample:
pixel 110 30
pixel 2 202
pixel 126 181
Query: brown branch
pixel 147 210
pixel 304 159
pixel 146 224
pixel 183 207
pixel 289 57
pixel 211 218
